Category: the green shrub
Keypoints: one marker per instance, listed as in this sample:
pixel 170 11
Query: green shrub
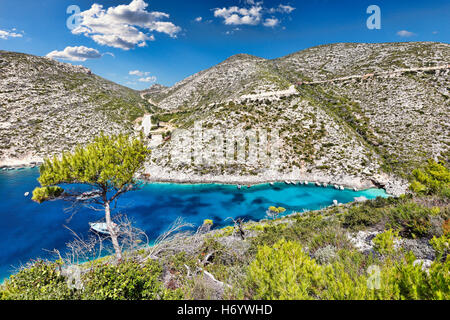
pixel 441 246
pixel 411 282
pixel 411 220
pixel 384 243
pixel 208 222
pixel 283 271
pixel 128 280
pixel 274 212
pixel 434 178
pixel 40 281
pixel 361 216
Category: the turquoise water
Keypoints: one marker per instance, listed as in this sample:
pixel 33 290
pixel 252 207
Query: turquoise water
pixel 27 228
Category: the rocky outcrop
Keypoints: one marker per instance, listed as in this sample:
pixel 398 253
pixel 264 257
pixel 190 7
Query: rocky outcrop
pixel 48 106
pixel 370 112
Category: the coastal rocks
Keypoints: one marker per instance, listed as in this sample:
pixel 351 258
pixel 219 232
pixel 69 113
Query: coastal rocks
pixel 393 185
pixel 419 247
pixel 158 173
pixel 363 240
pixel 425 263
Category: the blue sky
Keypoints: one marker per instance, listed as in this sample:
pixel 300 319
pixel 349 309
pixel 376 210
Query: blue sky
pixel 139 42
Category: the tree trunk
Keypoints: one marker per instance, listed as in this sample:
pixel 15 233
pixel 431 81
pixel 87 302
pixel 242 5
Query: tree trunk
pixel 112 231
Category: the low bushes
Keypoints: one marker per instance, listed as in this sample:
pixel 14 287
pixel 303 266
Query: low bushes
pixel 407 217
pixel 40 281
pixel 285 271
pixel 128 280
pixel 433 178
pixel 384 243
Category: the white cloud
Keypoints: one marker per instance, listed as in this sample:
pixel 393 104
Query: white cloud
pixel 404 33
pixel 253 14
pixel 148 79
pixel 80 53
pixel 198 19
pixel 271 22
pixel 4 34
pixel 138 73
pixel 285 8
pixel 145 76
pixel 238 16
pixel 124 26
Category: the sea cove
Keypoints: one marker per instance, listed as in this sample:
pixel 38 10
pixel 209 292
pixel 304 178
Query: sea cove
pixel 28 228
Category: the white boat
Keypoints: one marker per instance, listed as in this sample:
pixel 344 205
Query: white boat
pixel 100 227
pixel 239 186
pixel 271 183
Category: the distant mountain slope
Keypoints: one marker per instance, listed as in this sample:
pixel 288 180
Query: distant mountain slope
pixel 344 59
pixel 47 106
pixel 403 115
pixel 363 127
pixel 376 119
pixel 238 75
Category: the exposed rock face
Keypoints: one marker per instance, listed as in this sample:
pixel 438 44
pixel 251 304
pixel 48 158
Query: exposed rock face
pixel 383 113
pixel 386 116
pixel 238 75
pixel 47 107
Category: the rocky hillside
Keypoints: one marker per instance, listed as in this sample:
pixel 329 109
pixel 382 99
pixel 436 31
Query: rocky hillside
pixel 47 107
pixel 355 114
pixel 238 75
pixel 385 113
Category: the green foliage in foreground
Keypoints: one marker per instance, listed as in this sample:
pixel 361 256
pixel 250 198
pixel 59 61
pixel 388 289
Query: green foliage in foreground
pixel 285 271
pixel 384 243
pixel 434 178
pixel 404 215
pixel 41 281
pixel 129 280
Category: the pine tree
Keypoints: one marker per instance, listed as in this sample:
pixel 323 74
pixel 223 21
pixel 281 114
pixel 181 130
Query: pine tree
pixel 109 166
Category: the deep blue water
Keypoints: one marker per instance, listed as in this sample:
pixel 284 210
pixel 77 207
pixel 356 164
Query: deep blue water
pixel 27 228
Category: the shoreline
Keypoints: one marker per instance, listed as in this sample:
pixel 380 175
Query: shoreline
pixel 152 174
pixel 392 185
